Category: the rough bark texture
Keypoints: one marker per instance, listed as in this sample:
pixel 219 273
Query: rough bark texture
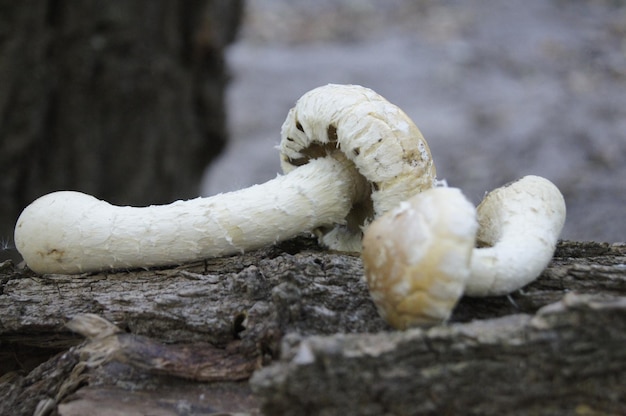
pixel 569 358
pixel 300 323
pixel 122 100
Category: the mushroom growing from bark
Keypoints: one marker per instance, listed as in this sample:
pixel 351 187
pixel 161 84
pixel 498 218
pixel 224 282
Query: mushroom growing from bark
pixel 348 154
pixel 421 257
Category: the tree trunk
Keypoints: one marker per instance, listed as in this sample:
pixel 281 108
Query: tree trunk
pixel 119 99
pixel 299 324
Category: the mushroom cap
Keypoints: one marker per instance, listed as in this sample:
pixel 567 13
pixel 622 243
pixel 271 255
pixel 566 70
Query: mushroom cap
pixel 384 144
pixel 416 257
pixel 519 226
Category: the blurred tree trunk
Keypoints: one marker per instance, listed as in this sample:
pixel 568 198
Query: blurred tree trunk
pixel 119 99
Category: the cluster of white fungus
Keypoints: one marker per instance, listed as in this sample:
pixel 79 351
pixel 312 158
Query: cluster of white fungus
pixel 359 174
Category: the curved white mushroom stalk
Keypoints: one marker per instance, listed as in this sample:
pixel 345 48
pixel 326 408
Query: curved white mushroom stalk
pixel 348 154
pixel 422 257
pixel 71 232
pixel 520 224
pixel 384 144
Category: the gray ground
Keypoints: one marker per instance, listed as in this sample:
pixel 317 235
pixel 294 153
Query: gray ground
pixel 499 90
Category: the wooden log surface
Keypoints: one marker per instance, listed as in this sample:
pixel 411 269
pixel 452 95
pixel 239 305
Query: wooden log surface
pixel 298 320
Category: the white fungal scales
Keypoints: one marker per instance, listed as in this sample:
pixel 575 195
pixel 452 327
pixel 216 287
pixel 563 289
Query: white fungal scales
pixel 348 155
pixel 71 232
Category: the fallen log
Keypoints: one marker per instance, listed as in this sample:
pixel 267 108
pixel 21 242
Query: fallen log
pixel 569 358
pixel 301 320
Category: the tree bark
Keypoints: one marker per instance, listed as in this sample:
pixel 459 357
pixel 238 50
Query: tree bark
pixel 122 99
pixel 568 358
pixel 299 322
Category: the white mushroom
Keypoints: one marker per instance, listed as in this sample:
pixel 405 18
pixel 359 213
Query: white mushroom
pixel 520 224
pixel 420 258
pixel 348 154
pixel 417 256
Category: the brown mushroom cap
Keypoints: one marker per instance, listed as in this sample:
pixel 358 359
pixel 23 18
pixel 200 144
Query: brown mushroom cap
pixel 386 147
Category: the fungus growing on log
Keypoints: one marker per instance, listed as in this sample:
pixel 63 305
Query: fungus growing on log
pixel 348 156
pixel 422 257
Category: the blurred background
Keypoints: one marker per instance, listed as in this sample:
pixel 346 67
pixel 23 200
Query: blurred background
pixel 144 102
pixel 499 90
pixel 123 100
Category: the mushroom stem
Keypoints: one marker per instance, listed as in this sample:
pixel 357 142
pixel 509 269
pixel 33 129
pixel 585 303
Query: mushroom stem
pixel 71 232
pixel 421 257
pixel 519 226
